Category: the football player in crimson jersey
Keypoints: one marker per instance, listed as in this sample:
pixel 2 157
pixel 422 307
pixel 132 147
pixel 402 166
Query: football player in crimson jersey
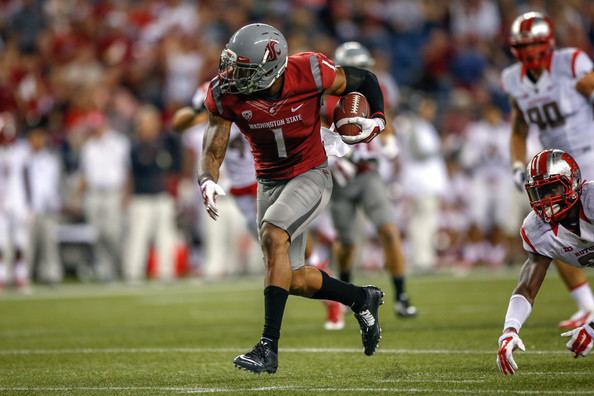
pixel 552 90
pixel 365 189
pixel 239 165
pixel 275 101
pixel 560 227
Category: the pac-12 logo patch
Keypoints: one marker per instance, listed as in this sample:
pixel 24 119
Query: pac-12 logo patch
pixel 247 114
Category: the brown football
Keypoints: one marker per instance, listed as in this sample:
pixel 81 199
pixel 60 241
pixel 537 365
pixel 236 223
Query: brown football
pixel 353 104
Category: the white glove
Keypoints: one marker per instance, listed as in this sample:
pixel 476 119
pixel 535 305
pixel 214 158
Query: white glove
pixel 580 342
pixel 519 175
pixel 390 147
pixel 370 128
pixel 210 190
pixel 342 169
pixel 508 343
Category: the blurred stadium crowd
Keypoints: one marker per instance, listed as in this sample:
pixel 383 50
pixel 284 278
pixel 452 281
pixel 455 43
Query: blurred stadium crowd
pixel 100 186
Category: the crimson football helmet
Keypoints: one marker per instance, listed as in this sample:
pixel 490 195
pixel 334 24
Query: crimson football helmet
pixel 531 39
pixel 554 184
pixel 255 56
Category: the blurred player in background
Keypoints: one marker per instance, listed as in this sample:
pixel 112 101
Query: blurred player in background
pixel 486 156
pixel 7 137
pixel 559 227
pixel 275 101
pixel 358 184
pixel 552 90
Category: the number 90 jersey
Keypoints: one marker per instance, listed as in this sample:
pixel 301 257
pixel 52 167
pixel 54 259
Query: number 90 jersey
pixel 559 243
pixel 283 132
pixel 562 115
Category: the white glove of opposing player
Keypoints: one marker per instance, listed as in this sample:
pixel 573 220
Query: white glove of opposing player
pixel 370 128
pixel 508 343
pixel 519 176
pixel 580 342
pixel 210 190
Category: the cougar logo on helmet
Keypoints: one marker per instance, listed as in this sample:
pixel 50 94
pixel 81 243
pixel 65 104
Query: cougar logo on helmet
pixel 272 51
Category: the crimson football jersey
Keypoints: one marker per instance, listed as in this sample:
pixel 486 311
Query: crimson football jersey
pixel 284 133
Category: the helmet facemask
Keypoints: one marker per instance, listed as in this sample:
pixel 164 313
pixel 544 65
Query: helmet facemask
pixel 552 197
pixel 533 55
pixel 237 77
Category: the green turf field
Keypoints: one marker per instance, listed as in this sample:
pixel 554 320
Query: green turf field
pixel 181 339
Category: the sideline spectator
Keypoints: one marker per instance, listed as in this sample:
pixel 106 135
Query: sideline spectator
pixel 151 214
pixel 104 163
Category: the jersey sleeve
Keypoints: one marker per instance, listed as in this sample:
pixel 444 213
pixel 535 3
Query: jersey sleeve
pixel 327 70
pixel 504 81
pixel 581 64
pixel 210 102
pixel 533 235
pixel 588 199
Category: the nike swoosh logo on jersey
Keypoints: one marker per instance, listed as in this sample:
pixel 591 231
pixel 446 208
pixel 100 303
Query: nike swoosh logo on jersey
pixel 294 109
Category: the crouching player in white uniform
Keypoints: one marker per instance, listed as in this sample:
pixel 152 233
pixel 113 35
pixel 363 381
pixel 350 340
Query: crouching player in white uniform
pixel 560 227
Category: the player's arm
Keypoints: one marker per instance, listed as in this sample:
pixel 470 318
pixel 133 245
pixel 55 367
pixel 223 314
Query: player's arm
pixel 183 119
pixel 532 275
pixel 216 139
pixel 353 79
pixel 519 134
pixel 585 86
pixel 186 117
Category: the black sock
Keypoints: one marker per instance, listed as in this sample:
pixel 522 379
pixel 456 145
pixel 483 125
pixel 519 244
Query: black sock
pixel 399 291
pixel 275 299
pixel 337 290
pixel 345 276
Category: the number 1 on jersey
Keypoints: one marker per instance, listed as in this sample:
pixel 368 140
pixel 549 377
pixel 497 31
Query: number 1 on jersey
pixel 280 142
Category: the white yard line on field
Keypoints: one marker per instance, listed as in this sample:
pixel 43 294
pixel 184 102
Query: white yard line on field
pixel 234 350
pixel 277 389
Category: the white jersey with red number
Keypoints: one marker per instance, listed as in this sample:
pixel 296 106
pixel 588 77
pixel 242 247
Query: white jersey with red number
pixel 559 243
pixel 563 116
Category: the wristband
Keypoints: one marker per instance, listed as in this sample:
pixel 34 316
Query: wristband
pixel 204 177
pixel 518 310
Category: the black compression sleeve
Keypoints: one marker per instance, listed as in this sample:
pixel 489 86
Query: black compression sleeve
pixel 365 82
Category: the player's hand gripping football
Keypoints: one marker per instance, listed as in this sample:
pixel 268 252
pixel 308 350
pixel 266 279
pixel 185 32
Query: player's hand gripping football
pixel 508 343
pixel 370 128
pixel 210 190
pixel 580 342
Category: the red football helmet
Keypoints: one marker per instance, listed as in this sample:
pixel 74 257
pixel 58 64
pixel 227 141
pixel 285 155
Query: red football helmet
pixel 531 39
pixel 554 184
